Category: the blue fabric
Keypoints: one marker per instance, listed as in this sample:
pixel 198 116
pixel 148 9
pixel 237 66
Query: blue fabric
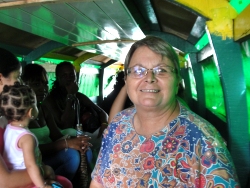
pixel 187 152
pixel 89 156
pixel 64 163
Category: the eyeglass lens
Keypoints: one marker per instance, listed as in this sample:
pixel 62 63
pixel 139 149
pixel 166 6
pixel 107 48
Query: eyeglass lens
pixel 162 71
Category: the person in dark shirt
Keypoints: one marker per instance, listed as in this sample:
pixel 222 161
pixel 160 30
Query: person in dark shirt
pixel 108 101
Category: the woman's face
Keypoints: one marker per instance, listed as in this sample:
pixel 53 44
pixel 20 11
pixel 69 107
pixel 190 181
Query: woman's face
pixel 13 77
pixel 40 87
pixel 66 75
pixel 151 91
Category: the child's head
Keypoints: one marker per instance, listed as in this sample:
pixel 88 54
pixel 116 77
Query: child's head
pixel 17 102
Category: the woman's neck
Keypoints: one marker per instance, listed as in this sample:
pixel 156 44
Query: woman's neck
pixel 59 92
pixel 147 123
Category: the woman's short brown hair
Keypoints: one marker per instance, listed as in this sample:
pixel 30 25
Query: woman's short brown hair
pixel 158 46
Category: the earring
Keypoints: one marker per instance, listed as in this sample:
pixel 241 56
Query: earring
pixel 32 117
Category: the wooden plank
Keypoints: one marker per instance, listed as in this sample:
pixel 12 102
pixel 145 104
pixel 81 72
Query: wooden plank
pixel 103 42
pixel 15 3
pixel 242 25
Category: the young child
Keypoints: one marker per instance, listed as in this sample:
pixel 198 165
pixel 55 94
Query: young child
pixel 18 105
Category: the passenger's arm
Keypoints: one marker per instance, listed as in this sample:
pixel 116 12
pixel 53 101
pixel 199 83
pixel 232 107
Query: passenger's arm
pixel 103 116
pixel 78 143
pixel 12 179
pixel 81 144
pixel 87 102
pixel 48 116
pixel 118 104
pixel 95 184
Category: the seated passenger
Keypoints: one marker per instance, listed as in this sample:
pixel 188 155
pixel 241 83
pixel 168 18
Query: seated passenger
pixel 159 142
pixel 10 73
pixel 63 106
pixel 108 101
pixel 61 154
pixel 18 105
pixel 59 106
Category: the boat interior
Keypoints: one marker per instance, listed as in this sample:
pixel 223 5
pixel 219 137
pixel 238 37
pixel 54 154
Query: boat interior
pixel 211 38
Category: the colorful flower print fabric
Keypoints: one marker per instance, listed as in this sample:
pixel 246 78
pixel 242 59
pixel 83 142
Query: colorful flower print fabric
pixel 189 152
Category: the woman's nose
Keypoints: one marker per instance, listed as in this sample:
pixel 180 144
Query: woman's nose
pixel 150 76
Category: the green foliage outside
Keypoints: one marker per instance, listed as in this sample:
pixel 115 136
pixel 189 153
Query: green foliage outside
pixel 213 90
pixel 245 51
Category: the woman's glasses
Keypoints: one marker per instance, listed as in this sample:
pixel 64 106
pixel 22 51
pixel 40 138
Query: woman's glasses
pixel 159 71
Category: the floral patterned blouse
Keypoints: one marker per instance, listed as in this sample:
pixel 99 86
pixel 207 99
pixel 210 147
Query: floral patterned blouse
pixel 189 152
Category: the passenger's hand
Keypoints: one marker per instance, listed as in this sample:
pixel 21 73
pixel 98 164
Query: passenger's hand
pixel 80 143
pixel 72 88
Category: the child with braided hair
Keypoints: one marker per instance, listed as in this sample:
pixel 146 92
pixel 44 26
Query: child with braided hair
pixel 18 105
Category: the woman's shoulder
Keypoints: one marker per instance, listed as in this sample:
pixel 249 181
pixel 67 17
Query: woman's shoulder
pixel 49 105
pixel 124 115
pixel 82 96
pixel 199 125
pixel 190 116
pixel 85 100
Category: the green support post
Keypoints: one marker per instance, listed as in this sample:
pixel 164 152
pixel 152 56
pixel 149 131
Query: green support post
pixel 230 64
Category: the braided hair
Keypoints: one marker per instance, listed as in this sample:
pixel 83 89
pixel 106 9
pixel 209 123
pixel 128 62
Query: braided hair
pixel 16 100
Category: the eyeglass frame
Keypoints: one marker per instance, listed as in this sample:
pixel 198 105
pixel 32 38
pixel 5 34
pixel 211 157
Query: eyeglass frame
pixel 153 70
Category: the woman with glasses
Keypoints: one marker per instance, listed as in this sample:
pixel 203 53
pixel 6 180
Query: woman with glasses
pixel 159 142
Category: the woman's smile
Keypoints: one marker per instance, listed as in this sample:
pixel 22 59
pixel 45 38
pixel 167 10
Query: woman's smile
pixel 150 90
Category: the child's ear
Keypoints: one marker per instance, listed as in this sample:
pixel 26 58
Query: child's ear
pixel 29 113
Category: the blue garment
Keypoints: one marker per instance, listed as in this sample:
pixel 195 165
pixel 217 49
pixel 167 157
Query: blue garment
pixel 64 163
pixel 89 155
pixel 188 152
